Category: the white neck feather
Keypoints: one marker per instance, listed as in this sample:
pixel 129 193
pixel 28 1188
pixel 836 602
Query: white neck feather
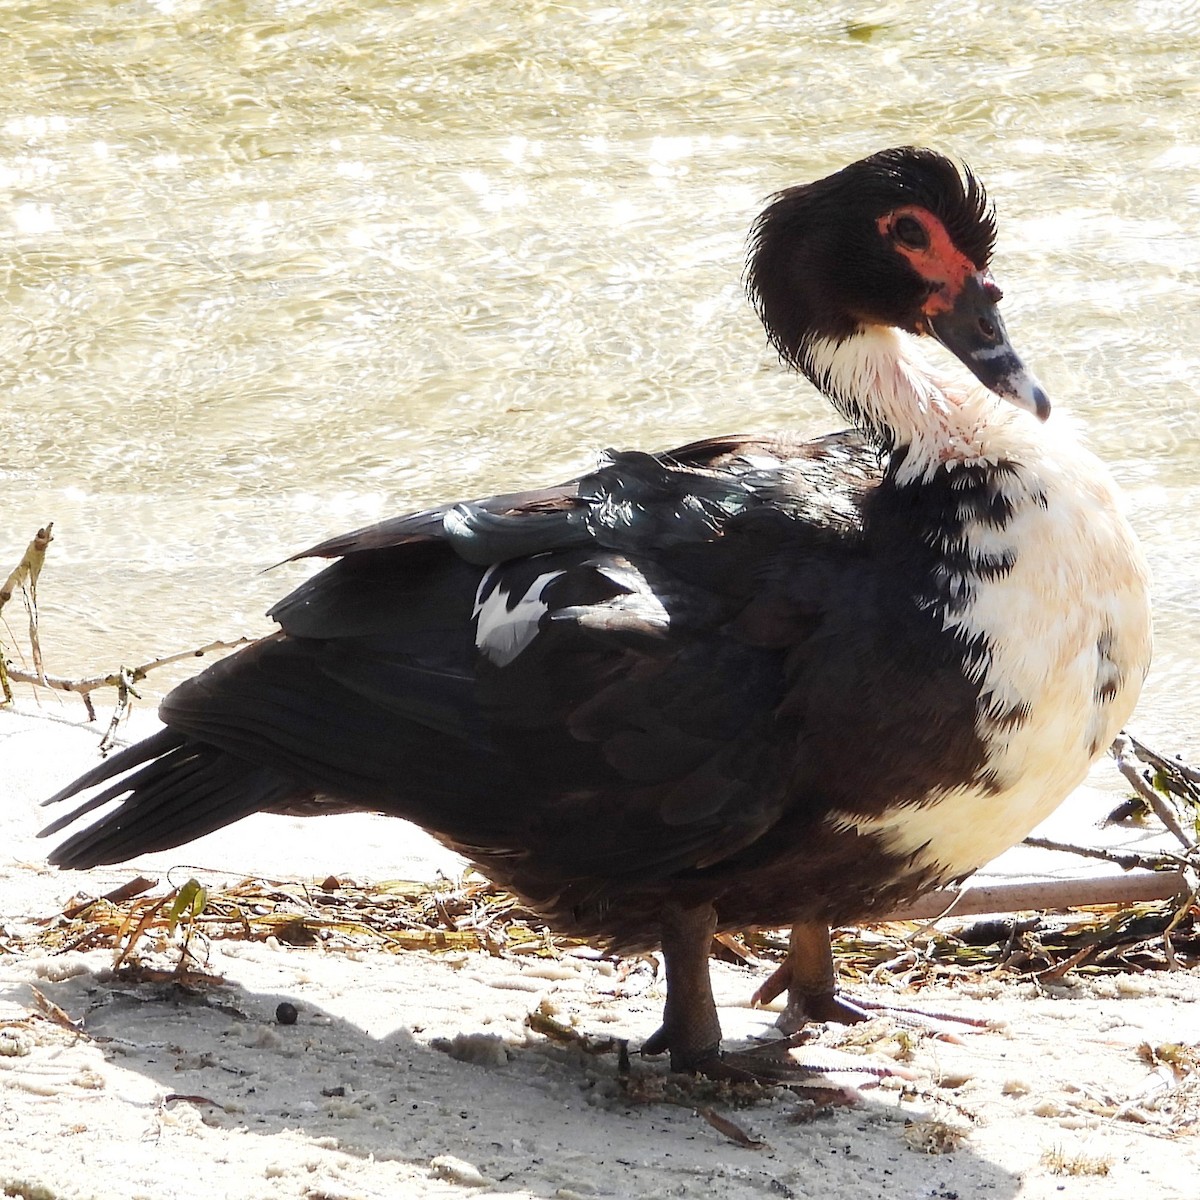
pixel 881 380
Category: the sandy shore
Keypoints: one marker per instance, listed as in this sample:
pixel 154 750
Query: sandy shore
pixel 415 1075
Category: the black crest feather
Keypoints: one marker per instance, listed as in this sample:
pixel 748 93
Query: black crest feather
pixel 814 266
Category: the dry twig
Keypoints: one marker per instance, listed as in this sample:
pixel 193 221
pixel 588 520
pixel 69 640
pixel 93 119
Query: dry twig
pixel 1154 798
pixel 1130 861
pixel 122 679
pixel 25 576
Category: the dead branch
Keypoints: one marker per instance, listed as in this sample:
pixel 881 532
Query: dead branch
pixel 122 679
pixel 26 572
pixel 1027 895
pixel 25 576
pixel 1169 766
pixel 1158 804
pixel 1128 861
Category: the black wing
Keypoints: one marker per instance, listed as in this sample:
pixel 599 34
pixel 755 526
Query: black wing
pixel 575 684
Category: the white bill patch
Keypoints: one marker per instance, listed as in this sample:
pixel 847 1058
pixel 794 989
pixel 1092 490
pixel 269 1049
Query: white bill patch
pixel 503 627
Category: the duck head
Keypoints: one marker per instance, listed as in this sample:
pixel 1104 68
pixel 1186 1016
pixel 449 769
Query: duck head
pixel 901 238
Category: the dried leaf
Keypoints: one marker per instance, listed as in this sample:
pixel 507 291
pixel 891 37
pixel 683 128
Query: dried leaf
pixel 52 1012
pixel 126 891
pixel 731 1129
pixel 171 1097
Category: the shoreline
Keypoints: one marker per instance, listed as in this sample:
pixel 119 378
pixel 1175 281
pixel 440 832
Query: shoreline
pixel 415 1074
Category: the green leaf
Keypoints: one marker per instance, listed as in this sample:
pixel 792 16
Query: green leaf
pixel 190 903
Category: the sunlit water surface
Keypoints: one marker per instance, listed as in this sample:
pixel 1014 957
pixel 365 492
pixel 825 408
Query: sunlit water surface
pixel 272 270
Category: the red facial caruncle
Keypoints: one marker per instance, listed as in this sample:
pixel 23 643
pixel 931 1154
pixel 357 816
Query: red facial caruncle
pixel 921 238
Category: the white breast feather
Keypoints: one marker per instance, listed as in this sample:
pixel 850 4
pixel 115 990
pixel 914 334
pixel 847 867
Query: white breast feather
pixel 1078 577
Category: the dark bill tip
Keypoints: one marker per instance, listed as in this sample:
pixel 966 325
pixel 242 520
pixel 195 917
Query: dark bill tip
pixel 1041 403
pixel 973 331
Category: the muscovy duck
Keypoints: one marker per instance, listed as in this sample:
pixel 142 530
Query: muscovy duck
pixel 752 681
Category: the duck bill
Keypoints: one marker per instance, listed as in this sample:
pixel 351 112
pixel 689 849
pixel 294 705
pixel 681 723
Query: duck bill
pixel 972 329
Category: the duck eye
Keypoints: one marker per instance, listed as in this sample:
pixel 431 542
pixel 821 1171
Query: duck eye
pixel 908 231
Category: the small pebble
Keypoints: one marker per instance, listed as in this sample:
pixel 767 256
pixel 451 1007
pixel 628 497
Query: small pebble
pixel 457 1170
pixel 551 971
pixel 483 1049
pixel 1132 985
pixel 286 1013
pixel 954 1079
pixel 14 1045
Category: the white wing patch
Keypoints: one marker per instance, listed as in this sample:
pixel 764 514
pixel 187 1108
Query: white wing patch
pixel 504 627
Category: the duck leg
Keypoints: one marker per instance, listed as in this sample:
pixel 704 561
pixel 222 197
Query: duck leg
pixel 812 993
pixel 691 1029
pixel 808 975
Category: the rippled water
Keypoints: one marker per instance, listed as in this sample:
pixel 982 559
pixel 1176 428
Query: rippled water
pixel 272 270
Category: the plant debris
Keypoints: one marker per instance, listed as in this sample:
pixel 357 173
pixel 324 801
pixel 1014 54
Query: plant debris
pixel 730 1129
pixel 51 1011
pixel 471 914
pixel 934 1136
pixel 1060 1162
pixel 395 915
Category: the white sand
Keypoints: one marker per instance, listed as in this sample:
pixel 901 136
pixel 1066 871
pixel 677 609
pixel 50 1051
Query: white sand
pixel 356 1100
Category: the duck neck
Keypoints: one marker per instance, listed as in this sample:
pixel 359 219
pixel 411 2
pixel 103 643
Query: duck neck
pixel 924 415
